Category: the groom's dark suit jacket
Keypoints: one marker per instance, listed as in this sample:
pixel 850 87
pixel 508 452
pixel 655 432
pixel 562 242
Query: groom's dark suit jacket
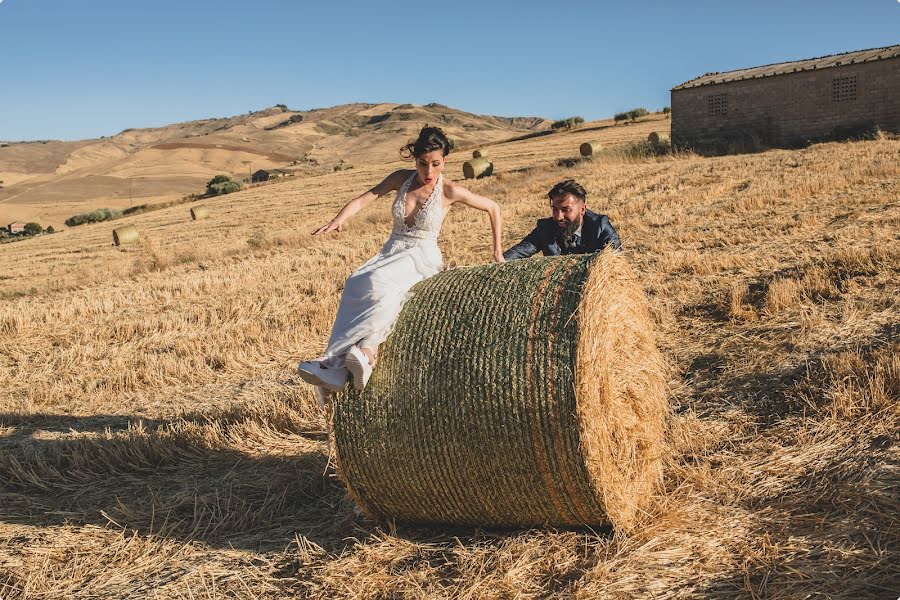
pixel 596 233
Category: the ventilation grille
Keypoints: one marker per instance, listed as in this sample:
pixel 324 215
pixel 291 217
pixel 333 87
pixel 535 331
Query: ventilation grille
pixel 717 105
pixel 843 89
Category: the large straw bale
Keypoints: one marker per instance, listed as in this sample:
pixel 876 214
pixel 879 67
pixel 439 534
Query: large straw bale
pixel 477 167
pixel 590 148
pixel 199 212
pixel 125 235
pixel 655 137
pixel 480 153
pixel 521 394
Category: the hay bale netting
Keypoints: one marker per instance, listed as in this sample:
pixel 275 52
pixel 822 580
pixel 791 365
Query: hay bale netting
pixel 589 148
pixel 480 153
pixel 477 167
pixel 520 394
pixel 125 235
pixel 199 212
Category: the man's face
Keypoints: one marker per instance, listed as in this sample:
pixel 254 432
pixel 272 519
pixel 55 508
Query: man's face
pixel 568 210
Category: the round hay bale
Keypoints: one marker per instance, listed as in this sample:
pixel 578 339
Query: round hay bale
pixel 480 153
pixel 199 212
pixel 477 168
pixel 589 148
pixel 656 138
pixel 125 235
pixel 527 393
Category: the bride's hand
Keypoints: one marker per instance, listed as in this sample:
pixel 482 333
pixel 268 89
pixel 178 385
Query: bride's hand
pixel 339 227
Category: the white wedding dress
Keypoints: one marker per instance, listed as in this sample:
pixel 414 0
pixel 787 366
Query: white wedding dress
pixel 374 294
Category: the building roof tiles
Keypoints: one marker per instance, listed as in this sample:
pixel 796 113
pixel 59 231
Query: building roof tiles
pixel 810 64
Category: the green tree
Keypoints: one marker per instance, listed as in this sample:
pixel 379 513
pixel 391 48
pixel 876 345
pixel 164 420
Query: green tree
pixel 33 228
pixel 634 113
pixel 567 124
pixel 218 179
pixel 95 216
pixel 224 187
pixel 222 184
pixel 50 229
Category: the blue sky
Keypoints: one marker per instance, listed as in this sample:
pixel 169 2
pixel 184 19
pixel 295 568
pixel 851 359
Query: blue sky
pixel 73 69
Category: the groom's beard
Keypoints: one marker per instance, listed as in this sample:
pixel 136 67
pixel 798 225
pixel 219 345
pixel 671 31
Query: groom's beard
pixel 569 230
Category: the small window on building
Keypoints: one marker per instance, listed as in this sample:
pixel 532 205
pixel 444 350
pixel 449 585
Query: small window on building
pixel 843 89
pixel 717 105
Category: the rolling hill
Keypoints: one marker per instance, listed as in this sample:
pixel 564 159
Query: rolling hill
pixel 48 181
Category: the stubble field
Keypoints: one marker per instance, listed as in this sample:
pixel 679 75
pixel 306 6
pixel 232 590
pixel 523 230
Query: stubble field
pixel 155 441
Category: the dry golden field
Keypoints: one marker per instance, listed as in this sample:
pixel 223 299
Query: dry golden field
pixel 155 442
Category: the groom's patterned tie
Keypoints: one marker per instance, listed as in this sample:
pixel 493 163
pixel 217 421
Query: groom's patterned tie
pixel 571 244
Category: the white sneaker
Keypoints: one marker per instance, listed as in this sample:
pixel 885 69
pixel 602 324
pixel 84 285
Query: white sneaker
pixel 358 364
pixel 315 373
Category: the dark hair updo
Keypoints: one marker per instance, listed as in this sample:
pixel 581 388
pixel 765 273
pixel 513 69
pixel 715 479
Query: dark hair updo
pixel 429 140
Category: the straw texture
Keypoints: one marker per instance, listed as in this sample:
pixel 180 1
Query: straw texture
pixel 125 235
pixel 520 394
pixel 589 148
pixel 199 212
pixel 477 167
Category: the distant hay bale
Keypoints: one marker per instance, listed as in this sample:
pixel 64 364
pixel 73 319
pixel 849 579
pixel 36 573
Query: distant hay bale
pixel 590 148
pixel 480 153
pixel 547 409
pixel 656 138
pixel 125 235
pixel 477 167
pixel 199 212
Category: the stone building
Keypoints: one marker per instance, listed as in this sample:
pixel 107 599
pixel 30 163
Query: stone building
pixel 792 103
pixel 268 175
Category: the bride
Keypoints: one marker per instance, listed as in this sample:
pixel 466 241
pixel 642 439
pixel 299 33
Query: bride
pixel 375 292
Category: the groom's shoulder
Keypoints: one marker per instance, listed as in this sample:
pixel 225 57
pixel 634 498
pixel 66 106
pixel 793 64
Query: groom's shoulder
pixel 546 224
pixel 590 215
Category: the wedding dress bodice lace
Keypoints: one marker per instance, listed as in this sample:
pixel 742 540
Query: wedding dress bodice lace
pixel 427 220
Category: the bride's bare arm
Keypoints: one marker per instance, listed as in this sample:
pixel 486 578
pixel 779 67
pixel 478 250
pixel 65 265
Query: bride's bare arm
pixel 391 183
pixel 456 193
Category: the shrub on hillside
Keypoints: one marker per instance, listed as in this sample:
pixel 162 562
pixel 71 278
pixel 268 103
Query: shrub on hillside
pixel 136 210
pixel 95 216
pixel 638 112
pixel 632 114
pixel 666 110
pixel 50 229
pixel 221 189
pixel 221 184
pixel 33 228
pixel 567 124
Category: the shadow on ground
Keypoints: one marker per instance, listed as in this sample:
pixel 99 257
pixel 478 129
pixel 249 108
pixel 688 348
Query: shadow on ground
pixel 148 477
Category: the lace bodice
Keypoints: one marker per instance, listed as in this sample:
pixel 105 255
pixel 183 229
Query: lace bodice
pixel 428 219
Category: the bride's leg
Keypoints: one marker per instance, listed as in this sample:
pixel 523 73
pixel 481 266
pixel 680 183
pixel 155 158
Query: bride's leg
pixel 371 354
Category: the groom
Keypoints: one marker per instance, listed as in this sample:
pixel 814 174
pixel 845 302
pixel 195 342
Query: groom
pixel 572 228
